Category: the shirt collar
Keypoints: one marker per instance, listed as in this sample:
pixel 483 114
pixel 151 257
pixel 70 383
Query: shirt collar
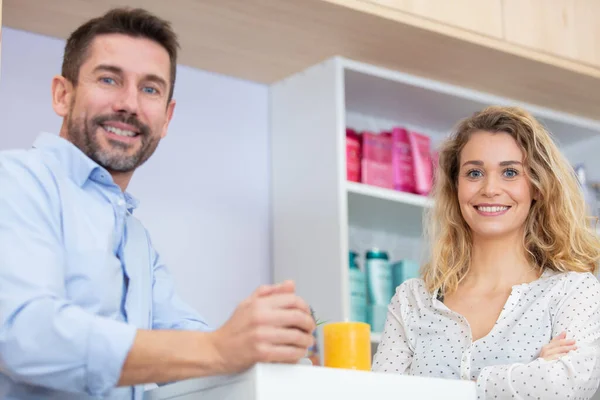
pixel 547 273
pixel 77 165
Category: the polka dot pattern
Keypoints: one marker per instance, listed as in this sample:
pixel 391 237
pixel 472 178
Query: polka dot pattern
pixel 424 337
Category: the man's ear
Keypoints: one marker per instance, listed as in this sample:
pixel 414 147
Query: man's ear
pixel 62 95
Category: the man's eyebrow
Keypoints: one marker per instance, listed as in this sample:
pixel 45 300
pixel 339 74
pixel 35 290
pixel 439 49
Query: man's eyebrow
pixel 109 68
pixel 119 71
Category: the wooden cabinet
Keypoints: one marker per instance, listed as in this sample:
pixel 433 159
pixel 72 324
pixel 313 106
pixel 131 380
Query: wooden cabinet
pixel 455 41
pixel 481 16
pixel 565 28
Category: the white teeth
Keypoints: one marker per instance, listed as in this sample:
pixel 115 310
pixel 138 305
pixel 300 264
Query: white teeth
pixel 492 209
pixel 119 132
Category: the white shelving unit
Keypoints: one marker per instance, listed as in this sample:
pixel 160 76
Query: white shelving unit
pixel 375 337
pixel 387 195
pixel 394 209
pixel 316 212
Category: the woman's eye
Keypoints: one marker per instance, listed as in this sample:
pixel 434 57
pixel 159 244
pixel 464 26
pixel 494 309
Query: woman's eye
pixel 511 173
pixel 474 173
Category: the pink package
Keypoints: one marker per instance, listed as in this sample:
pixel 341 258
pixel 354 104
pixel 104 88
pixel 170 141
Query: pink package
pixel 353 150
pixel 402 161
pixel 376 166
pixel 421 153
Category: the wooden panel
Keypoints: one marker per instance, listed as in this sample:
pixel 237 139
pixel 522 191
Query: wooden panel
pixel 566 28
pixel 265 41
pixel 481 16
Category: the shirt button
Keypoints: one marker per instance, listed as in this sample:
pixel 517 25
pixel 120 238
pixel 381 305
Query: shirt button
pixel 121 202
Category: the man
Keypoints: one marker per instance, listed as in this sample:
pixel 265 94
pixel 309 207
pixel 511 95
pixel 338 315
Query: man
pixel 87 308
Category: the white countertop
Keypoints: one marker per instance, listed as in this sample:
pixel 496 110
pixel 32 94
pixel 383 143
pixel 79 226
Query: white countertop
pixel 301 382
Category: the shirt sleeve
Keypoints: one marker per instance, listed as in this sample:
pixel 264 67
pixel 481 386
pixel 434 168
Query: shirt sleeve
pixel 573 376
pixel 169 311
pixel 45 340
pixel 394 352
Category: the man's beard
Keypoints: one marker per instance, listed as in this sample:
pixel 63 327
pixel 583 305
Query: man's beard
pixel 84 134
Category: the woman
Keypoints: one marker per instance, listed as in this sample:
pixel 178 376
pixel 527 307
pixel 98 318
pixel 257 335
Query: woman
pixel 508 298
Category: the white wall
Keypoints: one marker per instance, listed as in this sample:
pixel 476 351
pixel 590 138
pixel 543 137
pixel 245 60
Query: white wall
pixel 204 194
pixel 586 152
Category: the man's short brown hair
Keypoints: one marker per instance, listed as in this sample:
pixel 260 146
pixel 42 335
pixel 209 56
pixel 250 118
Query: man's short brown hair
pixel 132 22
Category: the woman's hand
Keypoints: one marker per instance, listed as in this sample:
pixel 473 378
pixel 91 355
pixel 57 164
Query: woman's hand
pixel 558 347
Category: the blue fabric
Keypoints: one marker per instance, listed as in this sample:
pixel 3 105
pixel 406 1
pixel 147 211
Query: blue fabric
pixel 78 277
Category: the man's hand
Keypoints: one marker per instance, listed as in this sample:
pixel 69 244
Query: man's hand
pixel 272 325
pixel 558 347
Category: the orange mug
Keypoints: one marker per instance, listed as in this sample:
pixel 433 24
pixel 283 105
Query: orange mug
pixel 347 345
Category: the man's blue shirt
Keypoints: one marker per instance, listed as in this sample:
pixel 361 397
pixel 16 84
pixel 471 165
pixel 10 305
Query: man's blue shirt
pixel 78 277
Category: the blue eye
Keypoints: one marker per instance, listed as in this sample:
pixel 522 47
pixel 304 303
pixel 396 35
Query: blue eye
pixel 150 90
pixel 474 173
pixel 107 80
pixel 511 173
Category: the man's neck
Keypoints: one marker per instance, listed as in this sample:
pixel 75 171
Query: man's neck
pixel 122 179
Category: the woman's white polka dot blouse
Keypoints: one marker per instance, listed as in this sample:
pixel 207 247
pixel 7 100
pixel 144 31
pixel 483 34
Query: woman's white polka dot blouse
pixel 424 337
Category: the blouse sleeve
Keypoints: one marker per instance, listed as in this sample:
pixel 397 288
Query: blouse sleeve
pixel 394 353
pixel 573 376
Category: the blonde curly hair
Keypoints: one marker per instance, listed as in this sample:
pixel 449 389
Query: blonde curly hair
pixel 558 233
